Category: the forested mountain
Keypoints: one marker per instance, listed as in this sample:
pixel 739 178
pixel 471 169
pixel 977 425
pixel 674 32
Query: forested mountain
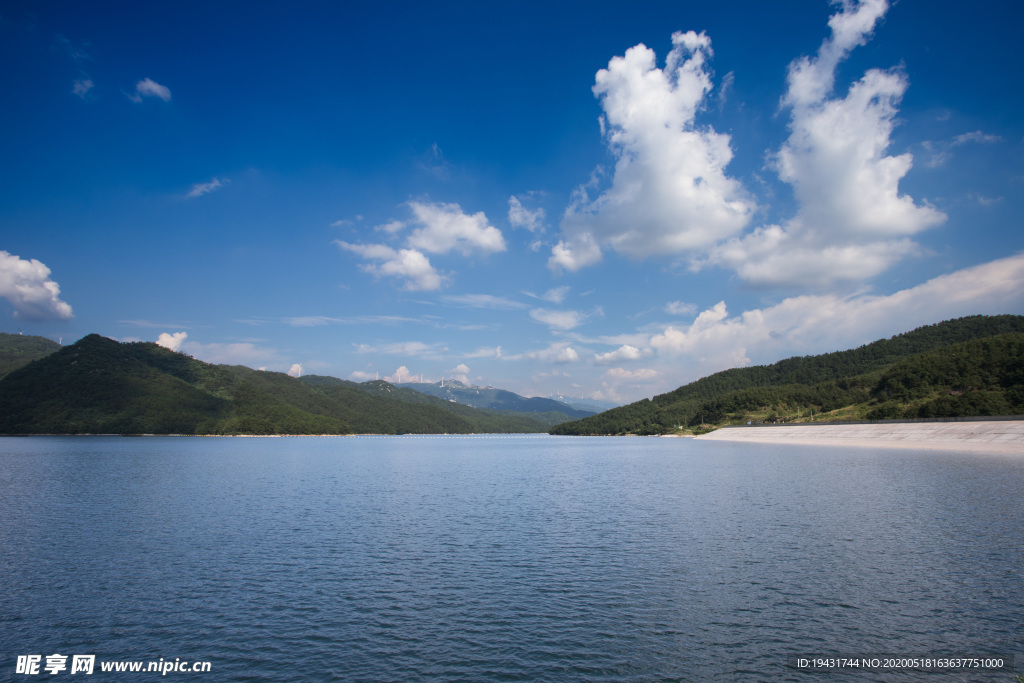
pixel 967 366
pixel 17 350
pixel 98 385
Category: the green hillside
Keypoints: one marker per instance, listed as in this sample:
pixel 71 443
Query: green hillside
pixel 967 366
pixel 17 350
pixel 100 386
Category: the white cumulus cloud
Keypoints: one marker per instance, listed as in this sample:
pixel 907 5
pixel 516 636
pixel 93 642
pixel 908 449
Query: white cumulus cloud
pixel 295 370
pixel 171 341
pixel 360 376
pixel 623 353
pixel 566 355
pixel 576 251
pixel 27 286
pixel 442 228
pixel 460 372
pixel 411 265
pixel 400 376
pixel 445 227
pixel 852 222
pixel 669 193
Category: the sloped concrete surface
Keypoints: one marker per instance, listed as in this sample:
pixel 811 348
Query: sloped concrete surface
pixel 991 437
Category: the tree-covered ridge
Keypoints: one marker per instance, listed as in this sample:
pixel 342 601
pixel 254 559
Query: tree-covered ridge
pixel 980 377
pixel 909 375
pixel 18 350
pixel 100 386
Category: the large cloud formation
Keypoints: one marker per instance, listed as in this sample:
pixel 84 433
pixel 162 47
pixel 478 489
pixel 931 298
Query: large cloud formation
pixel 669 192
pixel 852 222
pixel 29 289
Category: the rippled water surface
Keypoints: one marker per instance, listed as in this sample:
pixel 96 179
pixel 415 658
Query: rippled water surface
pixel 505 558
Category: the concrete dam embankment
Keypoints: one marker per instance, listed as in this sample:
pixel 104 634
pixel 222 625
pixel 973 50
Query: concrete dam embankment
pixel 996 436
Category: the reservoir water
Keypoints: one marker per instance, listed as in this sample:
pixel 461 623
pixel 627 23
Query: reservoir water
pixel 519 558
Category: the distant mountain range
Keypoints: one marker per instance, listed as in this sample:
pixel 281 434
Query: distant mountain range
pixel 489 398
pixel 588 404
pixel 968 366
pixel 100 386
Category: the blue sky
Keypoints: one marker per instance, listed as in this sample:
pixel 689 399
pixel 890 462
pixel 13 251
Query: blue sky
pixel 562 197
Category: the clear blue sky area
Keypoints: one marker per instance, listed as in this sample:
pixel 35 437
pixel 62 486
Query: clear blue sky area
pixel 579 197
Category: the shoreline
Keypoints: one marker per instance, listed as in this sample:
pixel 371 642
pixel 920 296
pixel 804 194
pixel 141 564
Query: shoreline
pixel 996 436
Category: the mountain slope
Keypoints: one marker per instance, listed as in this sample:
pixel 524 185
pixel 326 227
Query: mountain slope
pixel 98 385
pixel 18 350
pixel 842 383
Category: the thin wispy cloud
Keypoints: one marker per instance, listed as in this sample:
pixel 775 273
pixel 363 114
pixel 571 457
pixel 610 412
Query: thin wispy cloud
pixel 77 52
pixel 150 323
pixel 680 308
pixel 406 348
pixel 82 87
pixel 559 320
pixel 942 150
pixel 147 87
pixel 199 189
pixel 485 301
pixel 559 353
pixel 519 216
pixel 555 295
pixel 322 320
